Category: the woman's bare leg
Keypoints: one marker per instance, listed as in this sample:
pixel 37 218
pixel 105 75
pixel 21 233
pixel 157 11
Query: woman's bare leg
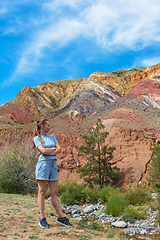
pixel 41 196
pixel 53 186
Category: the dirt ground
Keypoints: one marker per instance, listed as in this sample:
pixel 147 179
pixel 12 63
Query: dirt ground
pixel 19 217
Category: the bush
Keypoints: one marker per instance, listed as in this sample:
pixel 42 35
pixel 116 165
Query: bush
pixel 137 196
pixel 17 170
pixel 158 220
pixel 115 205
pixel 136 213
pixel 71 192
pixel 107 192
pixel 128 218
pixel 90 194
pixel 158 202
pixel 53 101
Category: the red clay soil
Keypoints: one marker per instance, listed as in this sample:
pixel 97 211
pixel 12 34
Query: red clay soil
pixel 126 118
pixel 144 87
pixel 20 114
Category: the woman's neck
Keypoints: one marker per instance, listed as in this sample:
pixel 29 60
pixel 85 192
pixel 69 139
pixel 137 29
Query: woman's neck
pixel 43 133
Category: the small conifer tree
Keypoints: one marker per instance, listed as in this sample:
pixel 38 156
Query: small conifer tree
pixel 99 168
pixel 53 101
pixel 154 169
pixel 154 174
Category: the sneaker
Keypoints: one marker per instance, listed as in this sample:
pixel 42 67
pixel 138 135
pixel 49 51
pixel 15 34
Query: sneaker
pixel 43 223
pixel 65 222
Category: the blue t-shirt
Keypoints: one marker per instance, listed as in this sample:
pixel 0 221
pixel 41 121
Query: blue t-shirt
pixel 49 142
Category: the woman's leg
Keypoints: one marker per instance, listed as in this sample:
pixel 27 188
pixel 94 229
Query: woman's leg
pixel 41 196
pixel 53 186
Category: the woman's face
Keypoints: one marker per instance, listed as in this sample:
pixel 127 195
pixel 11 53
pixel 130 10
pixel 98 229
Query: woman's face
pixel 46 127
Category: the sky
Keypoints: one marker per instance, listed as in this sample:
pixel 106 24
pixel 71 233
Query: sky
pixel 49 40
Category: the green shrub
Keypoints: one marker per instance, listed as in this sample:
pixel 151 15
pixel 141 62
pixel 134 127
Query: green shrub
pixel 53 101
pixel 115 205
pixel 158 201
pixel 17 170
pixel 1 189
pixel 90 194
pixel 128 218
pixel 71 192
pixel 137 196
pixel 158 220
pixel 136 213
pixel 107 192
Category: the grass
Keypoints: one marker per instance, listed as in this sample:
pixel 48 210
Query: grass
pixel 19 216
pixel 69 81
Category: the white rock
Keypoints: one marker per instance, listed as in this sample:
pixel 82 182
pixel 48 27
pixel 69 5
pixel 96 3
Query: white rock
pixel 143 232
pixel 144 225
pixel 88 209
pixel 120 224
pixel 103 215
pixel 79 218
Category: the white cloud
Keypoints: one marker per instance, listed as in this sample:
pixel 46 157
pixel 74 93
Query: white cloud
pixel 114 24
pixel 3 10
pixel 109 25
pixel 63 33
pixel 122 24
pixel 53 5
pixel 8 31
pixel 7 6
pixel 150 61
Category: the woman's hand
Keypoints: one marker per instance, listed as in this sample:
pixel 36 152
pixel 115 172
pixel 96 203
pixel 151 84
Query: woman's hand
pixel 50 151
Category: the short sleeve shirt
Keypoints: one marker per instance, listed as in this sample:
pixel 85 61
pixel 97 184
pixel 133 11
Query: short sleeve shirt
pixel 49 142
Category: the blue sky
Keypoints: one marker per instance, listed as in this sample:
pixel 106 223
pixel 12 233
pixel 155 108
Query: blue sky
pixel 50 40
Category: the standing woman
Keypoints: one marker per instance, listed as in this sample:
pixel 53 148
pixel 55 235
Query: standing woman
pixel 46 171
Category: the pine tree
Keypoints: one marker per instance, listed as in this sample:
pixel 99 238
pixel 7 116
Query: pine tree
pixel 100 169
pixel 154 169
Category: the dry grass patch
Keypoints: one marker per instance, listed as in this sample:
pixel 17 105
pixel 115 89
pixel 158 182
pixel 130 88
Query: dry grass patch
pixel 19 216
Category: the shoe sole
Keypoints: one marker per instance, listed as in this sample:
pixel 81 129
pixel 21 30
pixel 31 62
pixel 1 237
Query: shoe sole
pixel 42 226
pixel 63 224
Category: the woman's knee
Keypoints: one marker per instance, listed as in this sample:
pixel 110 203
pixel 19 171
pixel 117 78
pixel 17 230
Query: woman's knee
pixel 42 187
pixel 54 192
pixel 42 191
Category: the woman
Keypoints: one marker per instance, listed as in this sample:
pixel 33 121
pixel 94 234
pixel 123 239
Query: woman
pixel 46 171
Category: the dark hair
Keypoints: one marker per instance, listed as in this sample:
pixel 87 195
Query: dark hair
pixel 38 129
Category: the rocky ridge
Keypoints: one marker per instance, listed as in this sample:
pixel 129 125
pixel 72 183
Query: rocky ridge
pixel 127 101
pixel 79 98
